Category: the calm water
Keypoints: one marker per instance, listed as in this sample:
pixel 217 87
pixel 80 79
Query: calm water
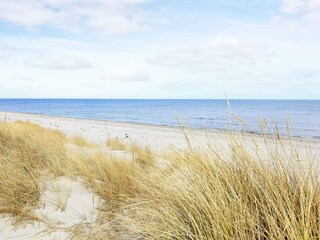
pixel 208 114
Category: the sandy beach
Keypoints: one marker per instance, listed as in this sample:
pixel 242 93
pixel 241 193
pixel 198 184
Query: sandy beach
pixel 155 137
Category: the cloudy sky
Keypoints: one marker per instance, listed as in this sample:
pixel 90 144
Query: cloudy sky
pixel 160 49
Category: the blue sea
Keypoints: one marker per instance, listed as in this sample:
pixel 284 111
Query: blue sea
pixel 203 114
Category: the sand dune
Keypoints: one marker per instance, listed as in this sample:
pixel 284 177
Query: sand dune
pixel 67 203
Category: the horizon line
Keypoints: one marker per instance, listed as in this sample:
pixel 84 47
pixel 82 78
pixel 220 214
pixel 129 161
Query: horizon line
pixel 224 99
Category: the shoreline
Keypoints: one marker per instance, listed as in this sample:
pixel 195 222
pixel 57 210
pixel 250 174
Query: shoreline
pixel 213 130
pixel 133 124
pixel 157 136
pixel 110 121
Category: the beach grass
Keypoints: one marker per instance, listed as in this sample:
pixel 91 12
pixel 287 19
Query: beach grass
pixel 116 143
pixel 25 151
pixel 267 189
pixel 80 141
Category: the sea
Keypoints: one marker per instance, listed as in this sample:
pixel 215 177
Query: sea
pixel 302 117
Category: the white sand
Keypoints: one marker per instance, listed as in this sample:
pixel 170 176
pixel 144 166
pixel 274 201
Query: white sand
pixel 64 204
pixel 157 137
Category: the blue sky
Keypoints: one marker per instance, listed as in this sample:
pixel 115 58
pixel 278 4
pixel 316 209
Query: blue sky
pixel 160 49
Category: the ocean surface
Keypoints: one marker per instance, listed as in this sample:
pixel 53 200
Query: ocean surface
pixel 304 115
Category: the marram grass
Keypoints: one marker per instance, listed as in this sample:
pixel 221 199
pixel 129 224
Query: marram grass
pixel 268 189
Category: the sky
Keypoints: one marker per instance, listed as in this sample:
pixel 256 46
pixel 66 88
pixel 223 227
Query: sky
pixel 201 49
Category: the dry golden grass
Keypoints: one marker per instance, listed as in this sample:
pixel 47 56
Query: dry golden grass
pixel 269 191
pixel 238 193
pixel 210 198
pixel 25 150
pixel 116 143
pixel 143 155
pixel 80 141
pixel 109 176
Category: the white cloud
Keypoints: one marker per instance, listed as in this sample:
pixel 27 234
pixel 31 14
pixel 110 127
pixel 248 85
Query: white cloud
pixel 305 11
pixel 314 4
pixel 59 62
pixel 293 6
pixel 110 17
pixel 220 53
pixel 22 77
pixel 127 80
pixel 313 18
pixel 28 13
pixel 129 77
pixel 4 52
pixel 188 59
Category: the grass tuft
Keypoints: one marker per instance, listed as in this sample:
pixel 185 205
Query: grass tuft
pixel 251 189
